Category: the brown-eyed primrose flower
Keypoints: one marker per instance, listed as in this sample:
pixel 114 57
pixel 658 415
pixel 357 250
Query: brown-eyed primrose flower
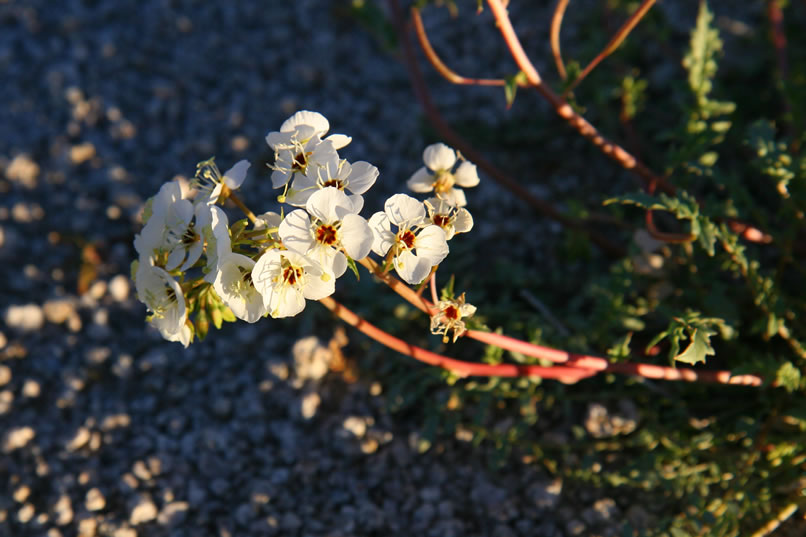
pixel 449 317
pixel 299 150
pixel 437 176
pixel 451 219
pixel 417 245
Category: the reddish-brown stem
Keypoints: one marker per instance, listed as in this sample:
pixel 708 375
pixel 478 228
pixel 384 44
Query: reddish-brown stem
pixel 564 110
pixel 614 43
pixel 582 361
pixel 439 65
pixel 450 136
pixel 459 367
pixel 554 37
pixel 776 16
pixel 603 365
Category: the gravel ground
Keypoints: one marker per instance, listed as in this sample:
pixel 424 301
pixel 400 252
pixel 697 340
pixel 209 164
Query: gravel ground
pixel 107 430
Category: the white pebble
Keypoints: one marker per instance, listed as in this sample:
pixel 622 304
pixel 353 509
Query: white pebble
pixel 94 501
pixel 17 438
pixel 310 404
pixel 27 317
pixel 145 511
pixel 5 375
pixel 119 287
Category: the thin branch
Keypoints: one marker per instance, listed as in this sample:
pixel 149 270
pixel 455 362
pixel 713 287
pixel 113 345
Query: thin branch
pixel 614 43
pixel 459 367
pixel 237 201
pixel 564 110
pixel 582 361
pixel 556 24
pixel 450 136
pixel 776 16
pixel 439 65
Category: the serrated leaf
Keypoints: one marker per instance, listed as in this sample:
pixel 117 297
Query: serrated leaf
pixel 639 199
pixel 700 61
pixel 788 376
pixel 698 348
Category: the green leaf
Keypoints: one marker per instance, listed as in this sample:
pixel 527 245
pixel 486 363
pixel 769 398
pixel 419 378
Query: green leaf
pixel 353 267
pixel 227 315
pixel 700 61
pixel 216 316
pixel 511 87
pixel 202 324
pixel 699 348
pixel 788 376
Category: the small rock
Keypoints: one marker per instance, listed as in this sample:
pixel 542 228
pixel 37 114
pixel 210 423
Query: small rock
pixel 356 425
pixel 144 511
pixel 424 515
pixel 141 471
pixel 546 495
pixel 26 318
pixel 173 513
pixel 5 375
pixel 26 513
pixel 119 287
pixel 502 530
pixel 30 389
pixel 430 494
pixel 17 438
pixel 23 170
pixel 79 440
pixel 82 152
pixel 311 359
pixel 369 446
pixel 88 527
pixel 290 522
pixel 6 401
pixel 309 405
pixel 125 532
pixel 574 527
pixel 94 500
pixel 22 493
pixel 222 407
pixel 59 310
pixel 63 510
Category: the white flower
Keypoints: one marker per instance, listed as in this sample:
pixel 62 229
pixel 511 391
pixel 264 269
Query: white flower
pixel 163 296
pixel 449 317
pixel 451 219
pixel 436 175
pixel 299 150
pixel 233 283
pixel 286 278
pixel 170 230
pixel 417 246
pixel 356 178
pixel 211 183
pixel 331 227
pixel 215 229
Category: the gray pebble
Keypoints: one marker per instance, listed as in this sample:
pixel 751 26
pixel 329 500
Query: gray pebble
pixel 143 511
pixel 5 375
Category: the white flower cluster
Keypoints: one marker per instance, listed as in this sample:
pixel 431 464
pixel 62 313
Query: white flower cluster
pixel 191 260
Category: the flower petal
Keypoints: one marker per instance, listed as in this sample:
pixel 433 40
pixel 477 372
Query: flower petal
pixel 430 244
pixel 295 231
pixel 412 269
pixel 306 117
pixel 234 177
pixel 362 176
pixel 356 236
pixel 421 181
pixel 463 222
pixel 338 140
pixel 439 157
pixel 403 209
pixel 382 237
pixel 466 175
pixel 329 205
